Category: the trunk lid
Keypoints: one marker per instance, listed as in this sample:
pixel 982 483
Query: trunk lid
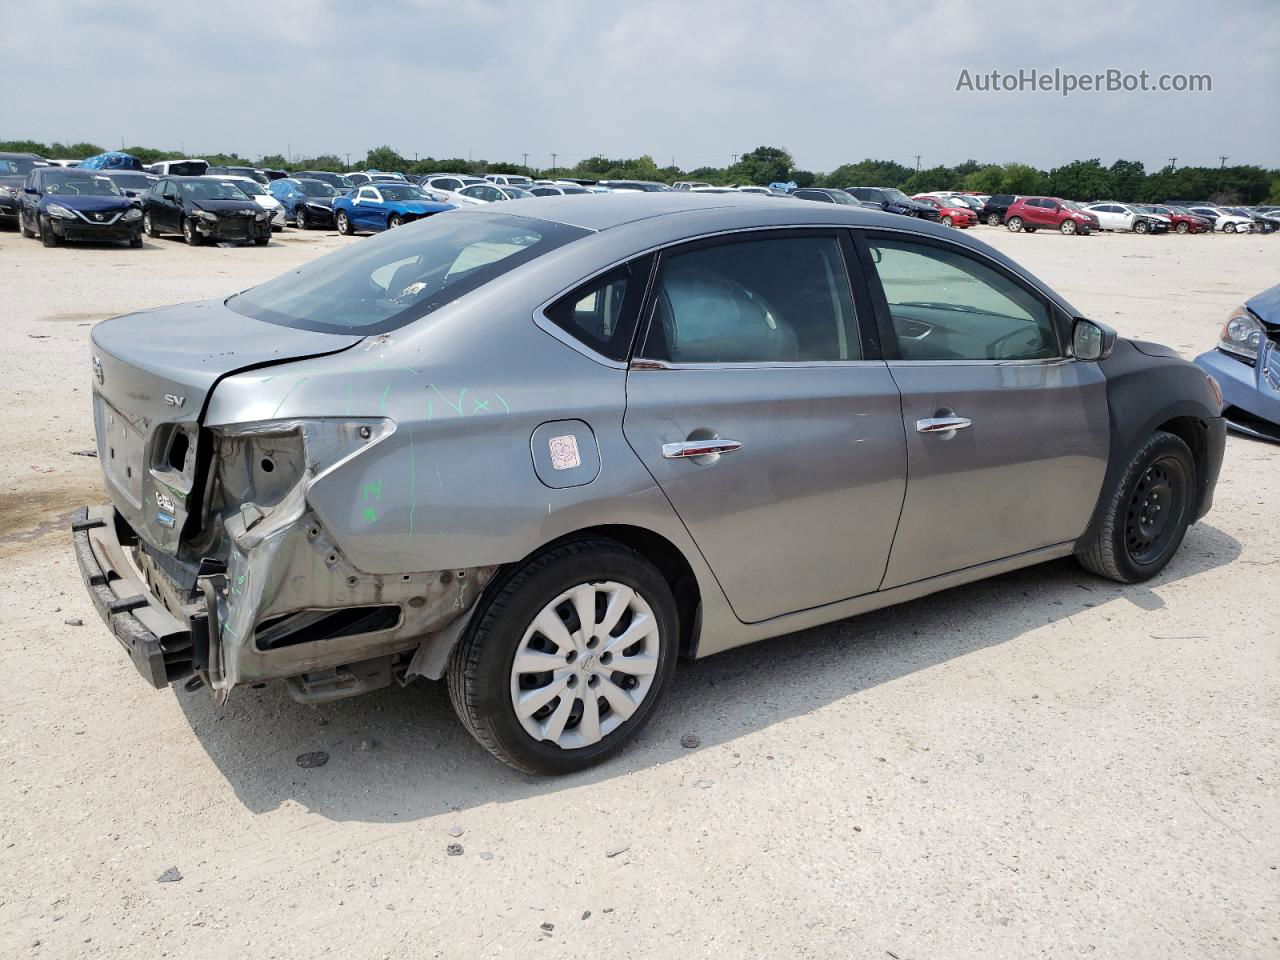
pixel 153 373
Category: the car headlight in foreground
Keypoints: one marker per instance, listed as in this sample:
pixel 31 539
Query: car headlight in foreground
pixel 206 216
pixel 1241 335
pixel 133 213
pixel 59 211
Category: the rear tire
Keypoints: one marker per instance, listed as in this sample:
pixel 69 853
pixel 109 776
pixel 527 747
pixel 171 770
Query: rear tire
pixel 261 241
pixel 149 226
pixel 576 727
pixel 947 221
pixel 1014 224
pixel 343 223
pixel 993 219
pixel 300 219
pixel 394 221
pixel 23 228
pixel 1146 515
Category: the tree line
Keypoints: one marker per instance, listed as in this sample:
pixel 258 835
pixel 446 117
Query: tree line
pixel 1123 180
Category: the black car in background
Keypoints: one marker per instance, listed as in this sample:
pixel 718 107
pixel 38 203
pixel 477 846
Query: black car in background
pixel 893 200
pixel 996 208
pixel 14 168
pixel 826 195
pixel 65 203
pixel 204 208
pixel 336 180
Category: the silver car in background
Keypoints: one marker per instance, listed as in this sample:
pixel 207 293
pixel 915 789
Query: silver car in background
pixel 543 448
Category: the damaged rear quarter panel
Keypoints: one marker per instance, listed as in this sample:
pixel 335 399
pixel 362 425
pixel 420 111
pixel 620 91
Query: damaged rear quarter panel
pixel 450 486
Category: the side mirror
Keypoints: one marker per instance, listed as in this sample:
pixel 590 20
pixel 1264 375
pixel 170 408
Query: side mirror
pixel 1091 340
pixel 30 190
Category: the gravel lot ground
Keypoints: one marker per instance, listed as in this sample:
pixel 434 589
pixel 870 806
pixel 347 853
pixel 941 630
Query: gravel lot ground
pixel 1045 764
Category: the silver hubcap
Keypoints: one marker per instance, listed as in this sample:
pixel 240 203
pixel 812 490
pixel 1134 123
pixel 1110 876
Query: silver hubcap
pixel 585 664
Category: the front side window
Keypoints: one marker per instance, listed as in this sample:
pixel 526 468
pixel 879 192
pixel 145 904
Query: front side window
pixel 945 305
pixel 769 300
pixel 401 275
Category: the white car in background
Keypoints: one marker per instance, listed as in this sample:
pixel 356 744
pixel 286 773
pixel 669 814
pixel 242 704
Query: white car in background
pixel 492 193
pixel 259 195
pixel 1124 216
pixel 549 189
pixel 510 180
pixel 449 182
pixel 1224 221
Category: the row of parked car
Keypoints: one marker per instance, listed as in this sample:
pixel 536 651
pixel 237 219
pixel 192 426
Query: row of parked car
pixel 110 198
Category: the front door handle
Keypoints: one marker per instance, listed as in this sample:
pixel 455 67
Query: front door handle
pixel 699 448
pixel 942 424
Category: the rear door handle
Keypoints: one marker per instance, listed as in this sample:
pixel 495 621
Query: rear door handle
pixel 942 424
pixel 698 448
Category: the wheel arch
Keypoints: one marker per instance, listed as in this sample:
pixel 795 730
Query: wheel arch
pixel 1149 388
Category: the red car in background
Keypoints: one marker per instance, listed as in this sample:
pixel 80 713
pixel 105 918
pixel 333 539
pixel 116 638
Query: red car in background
pixel 1180 220
pixel 949 215
pixel 1032 213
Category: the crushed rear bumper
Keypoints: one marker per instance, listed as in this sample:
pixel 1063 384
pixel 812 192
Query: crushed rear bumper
pixel 160 645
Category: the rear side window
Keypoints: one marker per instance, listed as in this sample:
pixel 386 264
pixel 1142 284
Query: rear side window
pixel 602 314
pixel 771 300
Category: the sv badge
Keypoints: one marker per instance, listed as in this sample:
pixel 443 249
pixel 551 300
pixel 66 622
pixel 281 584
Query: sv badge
pixel 173 400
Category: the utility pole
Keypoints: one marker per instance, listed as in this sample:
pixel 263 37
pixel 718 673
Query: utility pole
pixel 1173 164
pixel 1223 165
pixel 917 163
pixel 735 160
pixel 348 162
pixel 553 163
pixel 525 162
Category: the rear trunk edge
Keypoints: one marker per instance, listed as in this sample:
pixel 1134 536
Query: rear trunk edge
pixel 208 559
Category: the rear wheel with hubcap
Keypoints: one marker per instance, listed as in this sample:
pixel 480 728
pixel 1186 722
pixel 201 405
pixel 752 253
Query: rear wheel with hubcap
pixel 1148 513
pixel 567 657
pixel 993 219
pixel 344 223
pixel 1228 228
pixel 394 221
pixel 1182 227
pixel 149 226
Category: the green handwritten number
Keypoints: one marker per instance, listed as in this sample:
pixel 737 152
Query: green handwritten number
pixel 372 491
pixel 370 515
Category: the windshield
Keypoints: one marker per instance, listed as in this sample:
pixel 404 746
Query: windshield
pixel 132 181
pixel 398 191
pixel 1070 205
pixel 401 275
pixel 316 188
pixel 251 187
pixel 893 193
pixel 212 190
pixel 839 196
pixel 14 167
pixel 79 184
pixel 515 193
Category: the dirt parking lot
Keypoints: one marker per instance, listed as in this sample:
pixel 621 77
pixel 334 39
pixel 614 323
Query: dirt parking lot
pixel 1041 765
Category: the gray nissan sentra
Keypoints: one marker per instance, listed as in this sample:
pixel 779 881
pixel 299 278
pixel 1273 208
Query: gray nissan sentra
pixel 543 451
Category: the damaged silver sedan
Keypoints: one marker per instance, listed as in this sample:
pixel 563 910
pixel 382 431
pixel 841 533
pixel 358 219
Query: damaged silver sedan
pixel 543 452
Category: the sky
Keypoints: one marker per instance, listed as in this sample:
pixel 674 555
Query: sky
pixel 685 80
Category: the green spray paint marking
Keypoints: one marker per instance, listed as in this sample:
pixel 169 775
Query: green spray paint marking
pixel 289 392
pixel 480 405
pixel 413 483
pixel 382 404
pixel 370 515
pixel 503 402
pixel 456 406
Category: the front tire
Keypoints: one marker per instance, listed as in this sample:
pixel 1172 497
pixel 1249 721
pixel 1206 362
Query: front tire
pixel 47 236
pixel 149 226
pixel 394 221
pixel 546 691
pixel 300 219
pixel 344 223
pixel 190 233
pixel 1182 227
pixel 1141 227
pixel 1068 227
pixel 1014 224
pixel 1147 514
pixel 1228 228
pixel 947 221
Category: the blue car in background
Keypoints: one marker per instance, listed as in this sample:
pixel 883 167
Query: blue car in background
pixel 307 203
pixel 61 203
pixel 1246 365
pixel 381 206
